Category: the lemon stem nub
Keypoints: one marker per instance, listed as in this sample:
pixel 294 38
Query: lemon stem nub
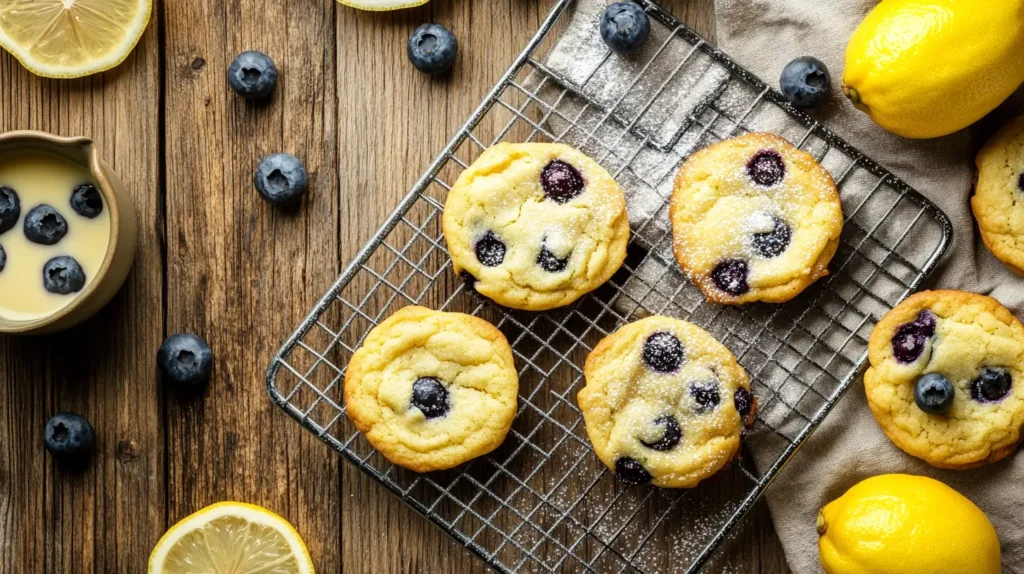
pixel 820 525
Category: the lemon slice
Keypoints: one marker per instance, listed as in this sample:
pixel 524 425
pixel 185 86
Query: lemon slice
pixel 380 5
pixel 72 38
pixel 231 538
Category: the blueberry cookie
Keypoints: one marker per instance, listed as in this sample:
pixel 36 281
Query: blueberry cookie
pixel 431 390
pixel 998 200
pixel 754 219
pixel 665 403
pixel 535 226
pixel 946 381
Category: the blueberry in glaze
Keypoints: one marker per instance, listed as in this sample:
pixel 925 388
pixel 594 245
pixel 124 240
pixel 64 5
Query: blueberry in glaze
pixel 185 360
pixel 625 27
pixel 431 397
pixel 744 402
pixel 993 385
pixel 10 208
pixel 69 437
pixel 766 168
pixel 909 341
pixel 549 262
pixel 3 258
pixel 730 276
pixel 631 472
pixel 561 182
pixel 432 49
pixel 670 438
pixel 773 243
pixel 933 393
pixel 252 75
pixel 45 226
pixel 86 201
pixel 1020 185
pixel 664 353
pixel 490 251
pixel 63 275
pixel 707 395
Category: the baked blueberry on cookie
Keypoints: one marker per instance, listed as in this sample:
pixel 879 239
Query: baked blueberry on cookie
pixel 535 226
pixel 754 219
pixel 665 403
pixel 946 381
pixel 431 390
pixel 998 200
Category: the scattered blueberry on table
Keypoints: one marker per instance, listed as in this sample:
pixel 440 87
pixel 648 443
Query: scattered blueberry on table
pixel 933 393
pixel 63 275
pixel 432 49
pixel 252 75
pixel 86 201
pixel 69 437
pixel 185 360
pixel 281 179
pixel 45 226
pixel 805 82
pixel 625 27
pixel 10 208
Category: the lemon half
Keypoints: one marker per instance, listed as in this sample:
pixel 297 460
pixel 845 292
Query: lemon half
pixel 72 38
pixel 381 5
pixel 231 538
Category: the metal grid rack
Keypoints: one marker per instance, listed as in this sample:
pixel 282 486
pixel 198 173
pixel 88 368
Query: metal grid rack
pixel 542 501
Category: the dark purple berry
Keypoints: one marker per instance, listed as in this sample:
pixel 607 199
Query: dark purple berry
pixel 3 258
pixel 69 437
pixel 1020 185
pixel 933 393
pixel 730 275
pixel 44 225
pixel 63 275
pixel 432 49
pixel 185 360
pixel 625 27
pixel 664 353
pixel 671 436
pixel 993 385
pixel 805 82
pixel 707 395
pixel 561 181
pixel 773 243
pixel 909 341
pixel 86 201
pixel 549 262
pixel 10 208
pixel 631 472
pixel 490 250
pixel 744 402
pixel 766 168
pixel 430 397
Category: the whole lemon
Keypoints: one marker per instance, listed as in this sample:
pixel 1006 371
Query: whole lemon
pixel 902 524
pixel 927 68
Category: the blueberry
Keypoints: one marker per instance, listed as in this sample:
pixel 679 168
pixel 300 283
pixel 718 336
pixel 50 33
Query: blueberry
pixel 631 472
pixel 45 226
pixel 185 360
pixel 744 402
pixel 252 75
pixel 707 395
pixel 3 258
pixel 561 182
pixel 432 49
pixel 281 179
pixel 671 436
pixel 625 27
pixel 10 208
pixel 766 168
pixel 490 250
pixel 86 201
pixel 805 82
pixel 549 262
pixel 773 243
pixel 909 341
pixel 730 275
pixel 63 275
pixel 993 385
pixel 664 353
pixel 1020 185
pixel 933 393
pixel 430 397
pixel 69 437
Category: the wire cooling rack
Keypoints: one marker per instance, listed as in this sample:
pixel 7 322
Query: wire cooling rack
pixel 542 501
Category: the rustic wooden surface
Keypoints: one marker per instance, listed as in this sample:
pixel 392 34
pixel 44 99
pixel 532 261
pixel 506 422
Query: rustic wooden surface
pixel 215 260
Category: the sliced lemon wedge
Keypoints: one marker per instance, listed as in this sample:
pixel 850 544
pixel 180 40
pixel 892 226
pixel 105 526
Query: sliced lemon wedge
pixel 231 538
pixel 72 38
pixel 380 5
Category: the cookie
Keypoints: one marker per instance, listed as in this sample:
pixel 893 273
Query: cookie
pixel 946 381
pixel 431 390
pixel 665 403
pixel 754 219
pixel 535 226
pixel 998 200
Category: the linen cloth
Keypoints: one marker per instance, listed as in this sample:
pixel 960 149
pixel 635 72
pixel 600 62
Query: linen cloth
pixel 675 86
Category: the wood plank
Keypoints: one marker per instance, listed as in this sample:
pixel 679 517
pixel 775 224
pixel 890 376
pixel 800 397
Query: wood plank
pixel 106 518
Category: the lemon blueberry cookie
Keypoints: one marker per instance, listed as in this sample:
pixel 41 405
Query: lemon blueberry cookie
pixel 535 226
pixel 946 381
pixel 754 219
pixel 431 390
pixel 665 403
pixel 998 200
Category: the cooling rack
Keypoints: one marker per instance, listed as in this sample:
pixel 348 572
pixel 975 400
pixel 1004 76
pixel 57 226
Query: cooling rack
pixel 542 502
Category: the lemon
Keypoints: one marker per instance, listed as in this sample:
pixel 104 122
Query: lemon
pixel 901 524
pixel 231 538
pixel 381 5
pixel 72 38
pixel 927 68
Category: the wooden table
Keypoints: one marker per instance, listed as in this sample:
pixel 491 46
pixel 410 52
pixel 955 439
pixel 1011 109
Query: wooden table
pixel 216 260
